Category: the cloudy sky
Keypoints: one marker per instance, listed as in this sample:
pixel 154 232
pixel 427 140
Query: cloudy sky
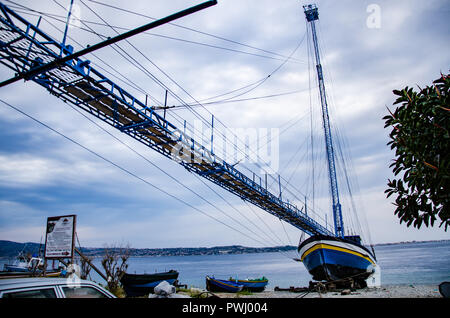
pixel 229 50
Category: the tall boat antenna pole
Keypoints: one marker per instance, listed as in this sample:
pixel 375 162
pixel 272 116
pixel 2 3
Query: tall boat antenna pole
pixel 312 14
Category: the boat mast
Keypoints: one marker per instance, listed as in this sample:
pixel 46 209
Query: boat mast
pixel 312 14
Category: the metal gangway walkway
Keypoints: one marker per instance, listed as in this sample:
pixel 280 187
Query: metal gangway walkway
pixel 25 47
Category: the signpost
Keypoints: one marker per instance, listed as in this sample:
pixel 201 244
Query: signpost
pixel 60 241
pixel 60 237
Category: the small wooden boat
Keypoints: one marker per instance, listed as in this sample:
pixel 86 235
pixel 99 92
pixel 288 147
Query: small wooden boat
pixel 143 284
pixel 221 285
pixel 253 285
pixel 24 264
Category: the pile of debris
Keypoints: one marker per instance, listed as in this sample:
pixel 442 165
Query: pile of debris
pixel 165 290
pixel 345 286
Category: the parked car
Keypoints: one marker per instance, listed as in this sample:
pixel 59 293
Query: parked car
pixel 51 288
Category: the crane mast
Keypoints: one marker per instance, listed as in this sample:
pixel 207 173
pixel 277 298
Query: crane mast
pixel 312 15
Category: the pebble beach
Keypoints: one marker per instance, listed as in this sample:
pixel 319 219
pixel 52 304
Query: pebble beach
pixel 388 291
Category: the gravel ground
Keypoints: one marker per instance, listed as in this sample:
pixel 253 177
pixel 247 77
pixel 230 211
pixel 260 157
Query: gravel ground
pixel 390 291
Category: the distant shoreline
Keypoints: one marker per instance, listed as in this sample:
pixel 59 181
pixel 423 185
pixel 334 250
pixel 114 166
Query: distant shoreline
pixel 411 242
pixel 12 249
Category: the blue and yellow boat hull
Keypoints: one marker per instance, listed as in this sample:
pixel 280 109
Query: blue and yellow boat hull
pixel 221 285
pixel 330 258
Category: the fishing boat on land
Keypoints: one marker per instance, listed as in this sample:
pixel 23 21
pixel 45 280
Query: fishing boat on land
pixel 222 285
pixel 143 284
pixel 24 264
pixel 27 266
pixel 253 285
pixel 332 258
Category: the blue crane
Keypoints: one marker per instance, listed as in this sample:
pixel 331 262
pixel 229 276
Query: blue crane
pixel 312 15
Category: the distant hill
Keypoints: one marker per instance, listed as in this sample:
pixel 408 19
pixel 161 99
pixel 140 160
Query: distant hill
pixel 12 249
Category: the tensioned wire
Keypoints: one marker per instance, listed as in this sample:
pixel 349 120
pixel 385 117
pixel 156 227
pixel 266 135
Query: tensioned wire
pixel 144 180
pixel 166 87
pixel 123 79
pixel 100 35
pixel 175 179
pixel 152 63
pixel 342 159
pixel 203 102
pixel 185 186
pixel 193 30
pixel 198 115
pixel 126 170
pixel 18 8
pixel 141 90
pixel 286 189
pixel 258 83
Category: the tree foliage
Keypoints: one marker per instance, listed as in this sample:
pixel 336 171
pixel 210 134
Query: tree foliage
pixel 85 267
pixel 420 137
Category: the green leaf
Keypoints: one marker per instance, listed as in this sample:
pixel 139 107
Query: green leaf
pixel 420 138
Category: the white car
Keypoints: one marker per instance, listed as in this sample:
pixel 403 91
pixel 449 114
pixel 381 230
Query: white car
pixel 51 288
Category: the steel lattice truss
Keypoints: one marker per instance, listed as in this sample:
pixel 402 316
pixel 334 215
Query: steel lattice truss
pixel 24 46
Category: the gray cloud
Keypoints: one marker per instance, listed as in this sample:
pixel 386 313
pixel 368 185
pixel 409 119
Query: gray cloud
pixel 365 64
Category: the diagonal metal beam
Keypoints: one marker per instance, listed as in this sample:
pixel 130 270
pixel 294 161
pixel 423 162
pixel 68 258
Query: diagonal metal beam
pixel 58 62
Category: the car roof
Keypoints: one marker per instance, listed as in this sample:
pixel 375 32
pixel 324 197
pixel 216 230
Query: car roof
pixel 8 283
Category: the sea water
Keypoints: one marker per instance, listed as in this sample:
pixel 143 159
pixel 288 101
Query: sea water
pixel 414 263
pixel 401 264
